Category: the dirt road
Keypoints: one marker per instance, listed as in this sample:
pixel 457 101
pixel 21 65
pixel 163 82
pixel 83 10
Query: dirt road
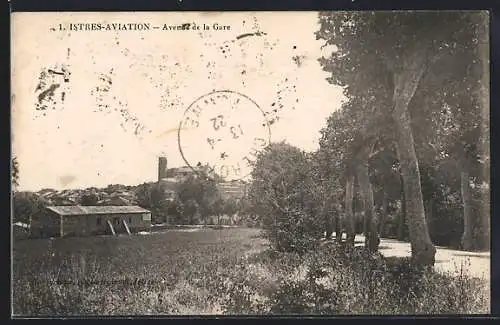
pixel 475 264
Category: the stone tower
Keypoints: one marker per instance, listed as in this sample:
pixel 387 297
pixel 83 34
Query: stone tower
pixel 162 168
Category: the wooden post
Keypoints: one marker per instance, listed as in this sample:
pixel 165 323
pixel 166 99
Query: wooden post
pixel 111 227
pixel 126 226
pixel 62 226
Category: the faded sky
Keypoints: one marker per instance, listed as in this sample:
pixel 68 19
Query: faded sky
pixel 128 90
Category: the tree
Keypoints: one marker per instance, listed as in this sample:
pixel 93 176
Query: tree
pixel 198 191
pixel 230 207
pixel 453 131
pixel 27 205
pixel 218 209
pixel 335 162
pixel 346 145
pixel 385 177
pixel 88 199
pixel 15 172
pixel 325 195
pixel 189 210
pixel 386 55
pixel 143 195
pixel 246 212
pixel 152 197
pixel 282 195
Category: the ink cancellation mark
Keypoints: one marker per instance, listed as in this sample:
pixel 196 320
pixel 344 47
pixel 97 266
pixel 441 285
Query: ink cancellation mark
pixel 225 129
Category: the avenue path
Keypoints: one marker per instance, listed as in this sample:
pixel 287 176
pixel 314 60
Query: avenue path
pixel 476 264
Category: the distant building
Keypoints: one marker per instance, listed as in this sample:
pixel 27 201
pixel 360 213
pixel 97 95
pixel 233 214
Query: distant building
pixel 169 177
pixel 162 167
pixel 233 189
pixel 61 221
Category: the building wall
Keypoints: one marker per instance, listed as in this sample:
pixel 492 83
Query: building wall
pixel 85 225
pixel 234 190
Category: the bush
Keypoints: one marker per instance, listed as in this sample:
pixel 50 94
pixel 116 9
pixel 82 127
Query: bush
pixel 282 194
pixel 335 281
pixel 26 204
pixel 295 232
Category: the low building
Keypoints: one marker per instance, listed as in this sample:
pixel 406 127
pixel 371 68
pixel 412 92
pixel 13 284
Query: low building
pixel 76 220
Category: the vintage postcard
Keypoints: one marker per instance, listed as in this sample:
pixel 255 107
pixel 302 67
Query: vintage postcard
pixel 250 163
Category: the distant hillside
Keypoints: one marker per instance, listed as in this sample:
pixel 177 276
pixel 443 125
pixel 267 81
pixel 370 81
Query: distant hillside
pixel 116 194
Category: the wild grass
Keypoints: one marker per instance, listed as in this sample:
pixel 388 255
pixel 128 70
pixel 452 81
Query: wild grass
pixel 228 271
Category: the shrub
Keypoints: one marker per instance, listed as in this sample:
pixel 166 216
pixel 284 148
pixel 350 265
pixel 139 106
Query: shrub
pixel 297 231
pixel 282 195
pixel 334 281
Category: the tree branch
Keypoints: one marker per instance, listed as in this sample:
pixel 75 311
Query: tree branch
pixel 373 154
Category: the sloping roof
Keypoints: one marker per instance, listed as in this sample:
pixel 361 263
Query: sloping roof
pixel 82 210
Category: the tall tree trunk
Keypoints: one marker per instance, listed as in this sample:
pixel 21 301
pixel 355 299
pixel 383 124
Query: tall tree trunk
pixel 429 213
pixel 338 229
pixel 369 223
pixel 328 226
pixel 402 214
pixel 327 215
pixel 349 214
pixel 467 241
pixel 423 251
pixel 383 214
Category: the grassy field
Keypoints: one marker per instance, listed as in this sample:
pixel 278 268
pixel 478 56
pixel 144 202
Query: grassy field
pixel 165 272
pixel 226 271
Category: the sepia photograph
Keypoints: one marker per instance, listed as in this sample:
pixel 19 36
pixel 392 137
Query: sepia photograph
pixel 250 163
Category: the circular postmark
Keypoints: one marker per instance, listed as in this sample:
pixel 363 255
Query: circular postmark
pixel 225 130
